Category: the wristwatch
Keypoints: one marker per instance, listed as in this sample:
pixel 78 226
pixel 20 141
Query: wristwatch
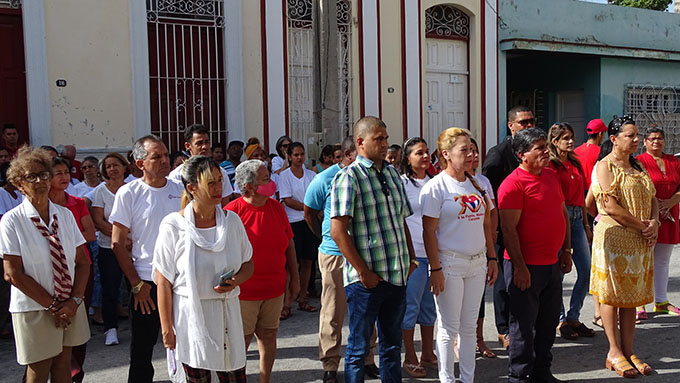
pixel 77 300
pixel 569 250
pixel 137 288
pixel 415 262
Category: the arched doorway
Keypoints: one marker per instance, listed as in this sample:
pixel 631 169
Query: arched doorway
pixel 447 32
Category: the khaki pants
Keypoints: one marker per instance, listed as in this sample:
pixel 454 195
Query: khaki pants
pixel 332 313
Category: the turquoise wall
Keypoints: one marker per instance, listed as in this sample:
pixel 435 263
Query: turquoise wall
pixel 581 22
pixel 617 72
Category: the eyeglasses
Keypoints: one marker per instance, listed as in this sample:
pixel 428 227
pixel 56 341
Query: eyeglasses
pixel 383 184
pixel 34 177
pixel 528 121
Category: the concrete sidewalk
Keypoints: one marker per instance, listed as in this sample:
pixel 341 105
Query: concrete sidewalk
pixel 297 355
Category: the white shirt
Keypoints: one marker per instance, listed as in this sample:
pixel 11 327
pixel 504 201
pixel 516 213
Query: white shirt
pixel 415 220
pixel 141 208
pixel 130 178
pixel 7 202
pixel 71 189
pixel 227 190
pixel 277 163
pixel 220 311
pixel 102 197
pixel 292 187
pixel 460 209
pixel 81 189
pixel 19 236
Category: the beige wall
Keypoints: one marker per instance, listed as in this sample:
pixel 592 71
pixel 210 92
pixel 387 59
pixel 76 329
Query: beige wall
pixel 88 45
pixel 252 70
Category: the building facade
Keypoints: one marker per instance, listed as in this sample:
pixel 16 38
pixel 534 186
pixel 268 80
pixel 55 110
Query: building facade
pixel 100 74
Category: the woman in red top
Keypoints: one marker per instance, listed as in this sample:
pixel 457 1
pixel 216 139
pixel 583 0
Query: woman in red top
pixel 572 181
pixel 664 170
pixel 61 178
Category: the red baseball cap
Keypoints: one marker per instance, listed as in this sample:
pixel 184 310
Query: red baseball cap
pixel 596 126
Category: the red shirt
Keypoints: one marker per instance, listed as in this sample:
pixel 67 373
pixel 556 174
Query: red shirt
pixel 541 226
pixel 587 154
pixel 269 233
pixel 666 185
pixel 79 210
pixel 572 183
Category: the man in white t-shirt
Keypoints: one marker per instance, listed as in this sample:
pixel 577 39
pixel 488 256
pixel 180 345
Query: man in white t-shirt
pixel 138 209
pixel 197 143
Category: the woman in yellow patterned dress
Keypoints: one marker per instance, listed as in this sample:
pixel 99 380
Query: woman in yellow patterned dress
pixel 622 265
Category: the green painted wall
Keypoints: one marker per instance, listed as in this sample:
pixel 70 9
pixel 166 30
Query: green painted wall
pixel 617 72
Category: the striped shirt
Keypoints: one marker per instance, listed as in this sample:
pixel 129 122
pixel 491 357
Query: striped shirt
pixel 377 204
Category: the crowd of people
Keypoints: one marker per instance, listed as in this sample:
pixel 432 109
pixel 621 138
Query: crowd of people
pixel 216 243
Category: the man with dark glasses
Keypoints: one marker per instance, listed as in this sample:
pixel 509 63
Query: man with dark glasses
pixel 499 163
pixel 369 206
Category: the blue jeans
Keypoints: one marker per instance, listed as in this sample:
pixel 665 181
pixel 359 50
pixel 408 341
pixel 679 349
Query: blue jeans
pixel 386 303
pixel 420 307
pixel 96 300
pixel 581 259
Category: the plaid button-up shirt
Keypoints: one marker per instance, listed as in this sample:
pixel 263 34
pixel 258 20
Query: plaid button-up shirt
pixel 377 205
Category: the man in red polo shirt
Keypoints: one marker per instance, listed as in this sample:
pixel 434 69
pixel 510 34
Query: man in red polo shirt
pixel 587 153
pixel 536 234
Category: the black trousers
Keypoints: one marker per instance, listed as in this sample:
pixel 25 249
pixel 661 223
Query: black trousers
pixel 111 275
pixel 534 315
pixel 145 328
pixel 501 299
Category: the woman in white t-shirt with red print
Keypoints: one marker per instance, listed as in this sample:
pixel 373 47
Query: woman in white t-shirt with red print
pixel 457 232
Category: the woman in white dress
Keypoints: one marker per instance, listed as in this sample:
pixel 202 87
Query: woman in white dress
pixel 201 256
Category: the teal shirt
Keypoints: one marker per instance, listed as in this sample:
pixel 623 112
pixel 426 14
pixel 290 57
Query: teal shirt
pixel 318 197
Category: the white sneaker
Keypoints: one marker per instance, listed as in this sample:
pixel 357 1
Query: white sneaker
pixel 111 337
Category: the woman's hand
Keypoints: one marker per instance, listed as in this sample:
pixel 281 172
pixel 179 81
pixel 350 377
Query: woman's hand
pixel 651 232
pixel 169 338
pixel 491 272
pixel 229 285
pixel 437 282
pixel 66 309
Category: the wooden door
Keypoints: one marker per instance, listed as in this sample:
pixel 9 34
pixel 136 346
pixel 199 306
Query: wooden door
pixel 13 102
pixel 446 87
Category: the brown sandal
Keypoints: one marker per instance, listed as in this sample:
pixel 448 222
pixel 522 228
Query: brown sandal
pixel 414 370
pixel 285 313
pixel 305 306
pixel 621 366
pixel 642 367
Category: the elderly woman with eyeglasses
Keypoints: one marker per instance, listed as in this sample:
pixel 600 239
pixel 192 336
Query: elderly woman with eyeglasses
pixel 45 261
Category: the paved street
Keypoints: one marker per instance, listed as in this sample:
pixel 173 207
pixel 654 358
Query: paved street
pixel 297 356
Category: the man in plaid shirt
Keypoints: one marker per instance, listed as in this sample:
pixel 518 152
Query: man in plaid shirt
pixel 368 210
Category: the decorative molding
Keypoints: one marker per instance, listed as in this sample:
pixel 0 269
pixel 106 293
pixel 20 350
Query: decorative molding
pixel 445 21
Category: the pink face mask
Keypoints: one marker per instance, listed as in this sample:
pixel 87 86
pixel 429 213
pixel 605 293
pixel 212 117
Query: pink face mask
pixel 267 189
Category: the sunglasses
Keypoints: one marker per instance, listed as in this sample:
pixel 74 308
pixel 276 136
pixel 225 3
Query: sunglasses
pixel 383 184
pixel 528 121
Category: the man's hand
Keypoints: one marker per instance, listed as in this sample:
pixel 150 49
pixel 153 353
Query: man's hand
pixel 370 279
pixel 521 277
pixel 293 289
pixel 565 261
pixel 143 299
pixel 589 234
pixel 411 268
